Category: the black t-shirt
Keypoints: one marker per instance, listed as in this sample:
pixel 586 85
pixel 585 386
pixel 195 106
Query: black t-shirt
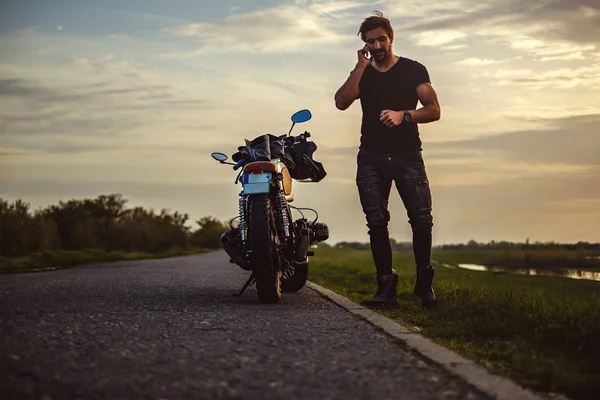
pixel 395 89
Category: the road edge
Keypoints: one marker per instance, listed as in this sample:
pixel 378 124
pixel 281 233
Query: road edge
pixel 497 387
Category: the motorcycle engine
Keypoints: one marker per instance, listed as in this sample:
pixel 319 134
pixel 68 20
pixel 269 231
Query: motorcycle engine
pixel 319 232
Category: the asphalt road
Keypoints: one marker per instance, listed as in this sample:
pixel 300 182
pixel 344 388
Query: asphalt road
pixel 170 329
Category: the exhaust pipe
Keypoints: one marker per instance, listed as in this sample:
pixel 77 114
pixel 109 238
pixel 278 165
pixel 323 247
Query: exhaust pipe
pixel 230 245
pixel 301 253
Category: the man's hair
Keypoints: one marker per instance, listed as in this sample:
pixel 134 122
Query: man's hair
pixel 374 22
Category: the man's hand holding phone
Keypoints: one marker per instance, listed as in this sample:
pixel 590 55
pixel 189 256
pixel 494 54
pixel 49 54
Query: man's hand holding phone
pixel 364 56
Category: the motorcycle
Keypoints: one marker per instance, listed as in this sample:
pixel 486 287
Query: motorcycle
pixel 267 241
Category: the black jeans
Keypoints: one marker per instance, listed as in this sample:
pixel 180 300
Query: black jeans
pixel 374 177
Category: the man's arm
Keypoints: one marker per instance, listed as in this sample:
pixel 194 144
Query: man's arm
pixel 349 91
pixel 431 107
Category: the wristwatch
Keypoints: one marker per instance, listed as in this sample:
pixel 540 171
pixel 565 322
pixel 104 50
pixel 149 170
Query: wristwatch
pixel 407 116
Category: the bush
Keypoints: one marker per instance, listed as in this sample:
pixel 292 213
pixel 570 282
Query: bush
pixel 102 224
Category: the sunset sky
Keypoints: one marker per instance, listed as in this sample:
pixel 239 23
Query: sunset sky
pixel 132 97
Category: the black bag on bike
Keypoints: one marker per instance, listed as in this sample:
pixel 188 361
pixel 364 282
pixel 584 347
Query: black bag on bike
pixel 297 157
pixel 305 168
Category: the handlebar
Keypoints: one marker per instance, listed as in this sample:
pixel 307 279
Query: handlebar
pixel 290 140
pixel 238 165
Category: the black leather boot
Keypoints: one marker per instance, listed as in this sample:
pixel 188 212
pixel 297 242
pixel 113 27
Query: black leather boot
pixel 424 287
pixel 386 292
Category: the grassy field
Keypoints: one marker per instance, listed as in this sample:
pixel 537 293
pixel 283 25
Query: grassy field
pixel 542 332
pixel 61 258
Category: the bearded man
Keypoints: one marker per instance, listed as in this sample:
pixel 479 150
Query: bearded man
pixel 389 87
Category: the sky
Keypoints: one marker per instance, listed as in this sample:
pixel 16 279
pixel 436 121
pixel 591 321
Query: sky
pixel 132 97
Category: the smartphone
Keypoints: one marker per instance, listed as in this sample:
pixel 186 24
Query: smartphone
pixel 368 55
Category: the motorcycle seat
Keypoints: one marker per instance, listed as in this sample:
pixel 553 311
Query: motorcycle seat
pixel 266 166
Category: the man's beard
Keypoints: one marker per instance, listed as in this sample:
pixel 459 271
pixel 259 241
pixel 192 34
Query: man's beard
pixel 380 59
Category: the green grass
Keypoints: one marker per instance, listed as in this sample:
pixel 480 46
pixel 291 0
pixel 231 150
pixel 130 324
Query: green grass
pixel 542 332
pixel 45 260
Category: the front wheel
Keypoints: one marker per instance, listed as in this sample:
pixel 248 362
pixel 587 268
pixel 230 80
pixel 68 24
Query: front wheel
pixel 263 259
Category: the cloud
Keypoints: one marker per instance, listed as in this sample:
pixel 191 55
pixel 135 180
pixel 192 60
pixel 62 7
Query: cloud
pixel 162 95
pixel 154 92
pixel 57 148
pixel 44 51
pixel 133 188
pixel 105 108
pixel 539 28
pixel 570 146
pixel 552 50
pixel 424 8
pixel 109 64
pixel 8 151
pixel 300 26
pixel 129 116
pixel 89 145
pixel 119 36
pixel 74 124
pixel 587 77
pixel 28 31
pixel 454 47
pixel 475 62
pixel 438 38
pixel 20 87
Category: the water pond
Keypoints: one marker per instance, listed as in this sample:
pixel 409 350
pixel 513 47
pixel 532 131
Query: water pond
pixel 566 273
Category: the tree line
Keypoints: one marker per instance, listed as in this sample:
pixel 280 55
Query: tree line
pixel 106 223
pixel 491 245
pixel 102 223
pixel 396 246
pixel 525 246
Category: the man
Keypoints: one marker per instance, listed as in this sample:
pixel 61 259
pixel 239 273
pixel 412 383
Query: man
pixel 389 87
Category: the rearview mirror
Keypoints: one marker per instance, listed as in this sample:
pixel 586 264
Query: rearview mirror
pixel 301 116
pixel 219 156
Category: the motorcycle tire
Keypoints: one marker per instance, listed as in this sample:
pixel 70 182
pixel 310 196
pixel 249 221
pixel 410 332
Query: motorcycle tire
pixel 294 278
pixel 264 256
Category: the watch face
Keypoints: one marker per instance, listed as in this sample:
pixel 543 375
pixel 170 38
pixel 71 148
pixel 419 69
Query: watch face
pixel 407 116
